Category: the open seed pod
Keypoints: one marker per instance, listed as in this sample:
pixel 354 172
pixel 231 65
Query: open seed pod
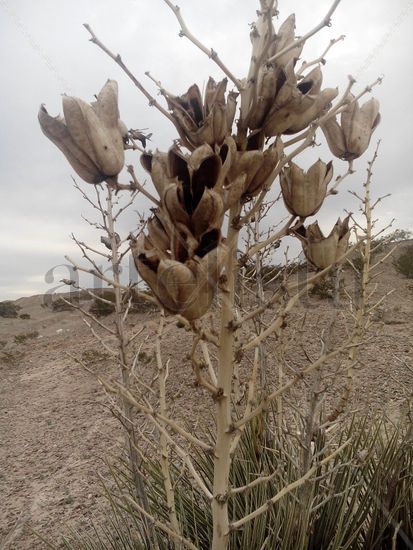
pixel 350 139
pixel 305 106
pixel 187 288
pixel 324 251
pixel 276 81
pixel 204 121
pixel 304 192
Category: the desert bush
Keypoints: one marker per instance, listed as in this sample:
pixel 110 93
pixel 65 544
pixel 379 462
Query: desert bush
pixel 323 289
pixel 404 262
pixel 140 304
pixel 9 309
pixel 93 356
pixel 380 244
pixel 21 338
pixel 24 316
pixel 64 304
pixel 11 357
pixel 106 294
pixel 101 309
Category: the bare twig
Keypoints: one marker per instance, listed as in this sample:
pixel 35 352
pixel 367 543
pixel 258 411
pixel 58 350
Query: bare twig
pixel 212 54
pixel 325 22
pixel 117 58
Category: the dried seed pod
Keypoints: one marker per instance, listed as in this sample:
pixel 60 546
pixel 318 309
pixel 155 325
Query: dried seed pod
pixel 299 113
pixel 208 121
pixel 323 251
pixel 89 135
pixel 304 192
pixel 270 159
pixel 186 287
pixel 350 139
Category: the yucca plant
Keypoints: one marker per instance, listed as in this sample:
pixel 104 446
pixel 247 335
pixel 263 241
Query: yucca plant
pixel 250 483
pixel 361 499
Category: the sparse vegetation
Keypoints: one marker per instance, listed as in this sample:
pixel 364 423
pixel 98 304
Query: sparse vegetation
pixel 22 338
pixel 324 289
pixel 11 357
pixel 9 309
pixel 102 309
pixel 403 263
pixel 140 305
pixel 354 502
pixel 64 304
pixel 24 316
pixel 94 356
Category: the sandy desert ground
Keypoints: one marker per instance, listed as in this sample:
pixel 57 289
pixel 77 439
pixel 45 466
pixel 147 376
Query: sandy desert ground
pixel 55 427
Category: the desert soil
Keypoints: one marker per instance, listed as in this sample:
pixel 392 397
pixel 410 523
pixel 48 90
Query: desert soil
pixel 56 428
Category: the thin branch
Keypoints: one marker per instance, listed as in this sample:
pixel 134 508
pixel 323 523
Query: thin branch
pixel 321 58
pixel 207 358
pixel 255 483
pixel 117 58
pixel 151 413
pixel 111 282
pixel 325 22
pixel 87 314
pixel 265 402
pixel 212 54
pixel 141 187
pixel 276 237
pixel 286 490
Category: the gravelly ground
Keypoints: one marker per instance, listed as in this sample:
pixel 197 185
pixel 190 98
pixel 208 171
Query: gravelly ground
pixel 55 429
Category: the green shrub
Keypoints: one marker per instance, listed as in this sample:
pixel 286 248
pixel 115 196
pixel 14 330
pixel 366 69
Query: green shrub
pixel 24 316
pixel 404 262
pixel 9 309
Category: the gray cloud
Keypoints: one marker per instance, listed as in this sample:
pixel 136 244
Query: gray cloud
pixel 46 53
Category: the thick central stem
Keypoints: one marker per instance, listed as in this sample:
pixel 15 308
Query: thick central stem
pixel 222 461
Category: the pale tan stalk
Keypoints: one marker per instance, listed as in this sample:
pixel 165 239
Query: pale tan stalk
pixel 131 441
pixel 163 442
pixel 222 458
pixel 362 294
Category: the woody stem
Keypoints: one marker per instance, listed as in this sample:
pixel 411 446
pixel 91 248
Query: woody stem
pixel 222 459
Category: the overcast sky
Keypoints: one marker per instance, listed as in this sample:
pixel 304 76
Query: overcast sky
pixel 45 52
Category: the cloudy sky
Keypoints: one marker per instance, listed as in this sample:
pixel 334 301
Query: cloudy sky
pixel 45 52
